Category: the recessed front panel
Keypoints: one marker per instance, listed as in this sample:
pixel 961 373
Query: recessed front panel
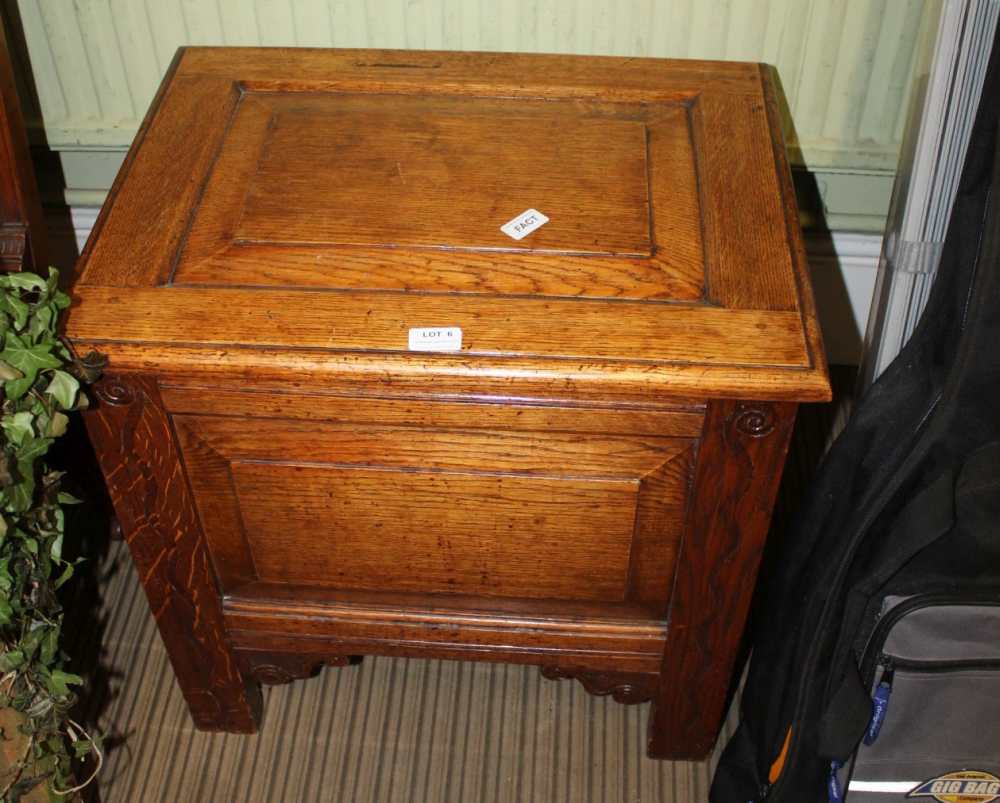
pixel 481 534
pixel 516 513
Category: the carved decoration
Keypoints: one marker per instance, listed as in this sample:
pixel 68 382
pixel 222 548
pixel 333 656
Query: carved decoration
pixel 13 246
pixel 134 442
pixel 757 421
pixel 112 390
pixel 275 669
pixel 735 481
pixel 623 688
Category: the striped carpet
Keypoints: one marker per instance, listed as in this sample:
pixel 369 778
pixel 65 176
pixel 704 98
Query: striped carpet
pixel 384 730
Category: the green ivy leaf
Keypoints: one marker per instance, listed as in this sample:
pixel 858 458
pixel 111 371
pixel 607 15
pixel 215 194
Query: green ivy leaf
pixel 63 388
pixel 5 612
pixel 31 642
pixel 59 682
pixel 67 573
pixel 41 324
pixel 9 371
pixel 50 646
pixel 24 281
pixel 57 425
pixel 31 451
pixel 17 309
pixel 82 748
pixel 55 551
pixel 20 495
pixel 18 427
pixel 16 388
pixel 11 659
pixel 28 359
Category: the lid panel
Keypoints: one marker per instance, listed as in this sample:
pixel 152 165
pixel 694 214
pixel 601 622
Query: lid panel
pixel 403 192
pixel 302 210
pixel 447 173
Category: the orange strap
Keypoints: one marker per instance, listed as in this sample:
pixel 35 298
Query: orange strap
pixel 779 762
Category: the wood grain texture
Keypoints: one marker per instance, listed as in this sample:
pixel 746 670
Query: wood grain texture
pixel 594 382
pixel 517 513
pixel 439 533
pixel 520 75
pixel 318 404
pixel 800 262
pixel 545 638
pixel 136 237
pixel 749 266
pixel 290 202
pixel 632 332
pixel 736 479
pixel 135 444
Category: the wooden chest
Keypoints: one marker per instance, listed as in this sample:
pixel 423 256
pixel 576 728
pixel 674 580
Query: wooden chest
pixel 351 411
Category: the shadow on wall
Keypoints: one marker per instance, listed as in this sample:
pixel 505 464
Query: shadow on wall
pixel 842 265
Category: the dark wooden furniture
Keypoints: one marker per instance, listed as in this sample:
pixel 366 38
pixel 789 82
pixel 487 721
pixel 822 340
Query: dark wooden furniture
pixel 585 485
pixel 22 230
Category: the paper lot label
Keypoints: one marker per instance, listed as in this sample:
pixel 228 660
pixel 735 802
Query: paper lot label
pixel 435 338
pixel 525 223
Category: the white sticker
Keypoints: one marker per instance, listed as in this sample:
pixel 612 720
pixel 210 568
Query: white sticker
pixel 525 223
pixel 436 338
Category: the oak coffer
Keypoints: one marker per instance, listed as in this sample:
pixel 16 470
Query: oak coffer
pixel 473 356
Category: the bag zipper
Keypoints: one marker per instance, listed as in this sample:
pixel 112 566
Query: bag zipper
pixel 890 664
pixel 872 659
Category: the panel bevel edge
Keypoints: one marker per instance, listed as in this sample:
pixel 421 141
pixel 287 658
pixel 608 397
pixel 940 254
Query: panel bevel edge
pixel 154 107
pixel 660 604
pixel 241 96
pixel 811 332
pixel 187 437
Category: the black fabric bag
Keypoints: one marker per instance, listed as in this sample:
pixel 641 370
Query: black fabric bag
pixel 905 503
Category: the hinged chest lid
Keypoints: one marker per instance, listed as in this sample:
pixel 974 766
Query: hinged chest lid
pixel 578 222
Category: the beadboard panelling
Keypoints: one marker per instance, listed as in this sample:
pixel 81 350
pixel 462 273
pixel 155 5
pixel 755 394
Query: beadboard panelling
pixel 845 64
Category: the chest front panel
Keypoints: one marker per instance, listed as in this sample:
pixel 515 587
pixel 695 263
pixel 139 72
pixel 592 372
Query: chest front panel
pixel 548 503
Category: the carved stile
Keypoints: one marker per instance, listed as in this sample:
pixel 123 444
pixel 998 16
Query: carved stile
pixel 135 444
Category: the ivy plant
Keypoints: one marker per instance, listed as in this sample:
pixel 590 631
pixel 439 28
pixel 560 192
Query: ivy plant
pixel 41 383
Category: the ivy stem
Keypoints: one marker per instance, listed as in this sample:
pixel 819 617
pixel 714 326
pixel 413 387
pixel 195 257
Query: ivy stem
pixel 97 751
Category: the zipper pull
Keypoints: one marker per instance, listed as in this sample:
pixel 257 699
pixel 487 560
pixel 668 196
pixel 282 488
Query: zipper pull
pixel 833 790
pixel 880 703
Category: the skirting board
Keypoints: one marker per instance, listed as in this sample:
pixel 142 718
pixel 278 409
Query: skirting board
pixel 843 265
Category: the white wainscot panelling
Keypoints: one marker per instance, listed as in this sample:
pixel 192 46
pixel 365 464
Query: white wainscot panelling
pixel 845 65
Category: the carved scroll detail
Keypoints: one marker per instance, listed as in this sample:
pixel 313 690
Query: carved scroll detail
pixel 275 669
pixel 757 421
pixel 134 441
pixel 113 390
pixel 623 688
